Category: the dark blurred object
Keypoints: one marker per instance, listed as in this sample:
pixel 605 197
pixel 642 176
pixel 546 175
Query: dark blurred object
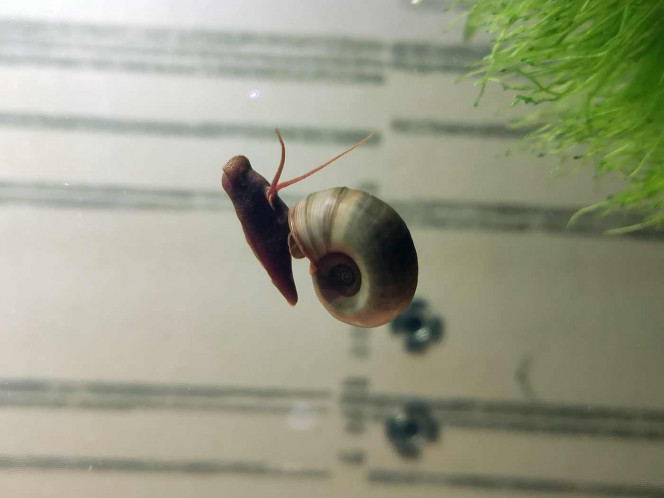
pixel 359 342
pixel 355 387
pixel 418 325
pixel 354 456
pixel 411 429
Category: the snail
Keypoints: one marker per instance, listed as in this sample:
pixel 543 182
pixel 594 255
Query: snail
pixel 363 261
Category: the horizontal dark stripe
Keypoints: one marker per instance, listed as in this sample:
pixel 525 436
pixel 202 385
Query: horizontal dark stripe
pixel 541 425
pixel 428 58
pixel 223 54
pixel 638 431
pixel 124 403
pixel 505 415
pixel 133 465
pixel 499 483
pixel 213 129
pixel 518 218
pixel 437 214
pixel 513 407
pixel 75 32
pixel 38 393
pixel 203 130
pixel 143 389
pixel 432 127
pixel 25 46
pixel 192 52
pixel 278 70
pixel 111 197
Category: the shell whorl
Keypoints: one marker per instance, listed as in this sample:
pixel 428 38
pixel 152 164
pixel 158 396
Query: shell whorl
pixel 344 232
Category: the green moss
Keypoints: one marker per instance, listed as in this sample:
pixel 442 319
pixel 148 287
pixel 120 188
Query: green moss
pixel 593 73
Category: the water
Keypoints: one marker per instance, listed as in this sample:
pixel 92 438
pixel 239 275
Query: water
pixel 144 351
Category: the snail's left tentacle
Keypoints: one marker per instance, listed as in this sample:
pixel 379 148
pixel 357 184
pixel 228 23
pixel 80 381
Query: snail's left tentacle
pixel 272 190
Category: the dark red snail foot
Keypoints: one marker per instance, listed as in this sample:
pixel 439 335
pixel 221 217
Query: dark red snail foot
pixel 265 227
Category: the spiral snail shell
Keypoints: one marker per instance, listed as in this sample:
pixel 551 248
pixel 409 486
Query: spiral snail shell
pixel 362 257
pixel 363 260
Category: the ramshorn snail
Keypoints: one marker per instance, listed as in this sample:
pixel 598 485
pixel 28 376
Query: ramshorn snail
pixel 362 258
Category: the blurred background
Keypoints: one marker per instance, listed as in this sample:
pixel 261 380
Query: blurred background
pixel 143 349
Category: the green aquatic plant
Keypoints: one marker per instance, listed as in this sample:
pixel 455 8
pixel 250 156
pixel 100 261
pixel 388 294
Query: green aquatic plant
pixel 593 70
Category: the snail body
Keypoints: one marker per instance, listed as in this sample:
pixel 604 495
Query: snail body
pixel 363 261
